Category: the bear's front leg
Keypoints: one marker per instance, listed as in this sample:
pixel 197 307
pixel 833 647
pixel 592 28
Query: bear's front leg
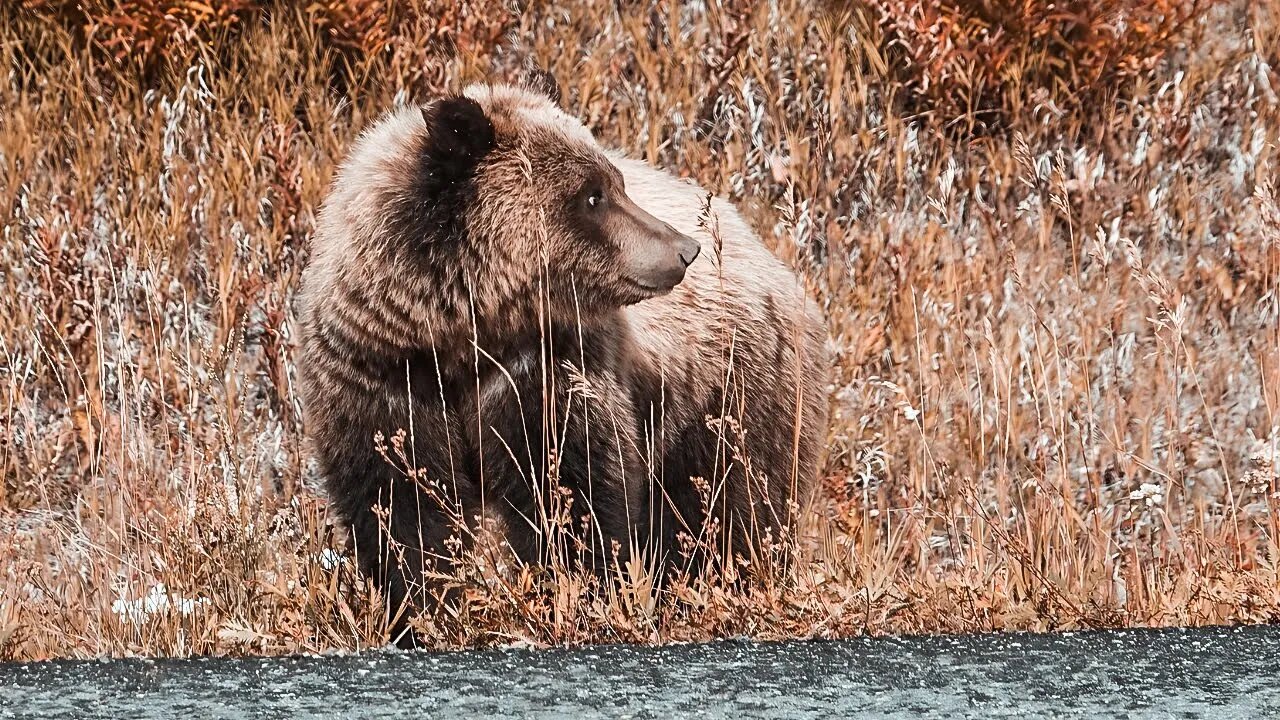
pixel 408 508
pixel 561 450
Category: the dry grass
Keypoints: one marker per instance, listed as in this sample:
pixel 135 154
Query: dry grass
pixel 1057 401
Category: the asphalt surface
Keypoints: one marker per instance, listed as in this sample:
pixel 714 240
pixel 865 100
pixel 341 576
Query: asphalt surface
pixel 1206 673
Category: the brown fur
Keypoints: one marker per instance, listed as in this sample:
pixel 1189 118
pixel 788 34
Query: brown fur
pixel 492 331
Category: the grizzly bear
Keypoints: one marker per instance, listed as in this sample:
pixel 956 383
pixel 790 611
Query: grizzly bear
pixel 547 324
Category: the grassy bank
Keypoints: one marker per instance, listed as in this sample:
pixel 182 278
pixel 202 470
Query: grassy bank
pixel 1049 257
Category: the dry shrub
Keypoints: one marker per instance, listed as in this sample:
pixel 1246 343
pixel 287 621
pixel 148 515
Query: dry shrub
pixel 447 27
pixel 977 62
pixel 143 32
pixel 354 25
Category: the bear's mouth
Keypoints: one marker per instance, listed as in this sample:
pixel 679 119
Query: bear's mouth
pixel 647 289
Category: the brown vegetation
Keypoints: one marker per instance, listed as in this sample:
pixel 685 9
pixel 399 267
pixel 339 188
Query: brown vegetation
pixel 981 63
pixel 1057 401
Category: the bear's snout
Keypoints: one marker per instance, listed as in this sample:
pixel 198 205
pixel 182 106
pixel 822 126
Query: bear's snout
pixel 671 252
pixel 656 255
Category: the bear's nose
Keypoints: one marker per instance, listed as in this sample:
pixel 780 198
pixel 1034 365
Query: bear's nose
pixel 689 249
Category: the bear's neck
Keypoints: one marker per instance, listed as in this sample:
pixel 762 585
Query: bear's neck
pixel 430 309
pixel 518 333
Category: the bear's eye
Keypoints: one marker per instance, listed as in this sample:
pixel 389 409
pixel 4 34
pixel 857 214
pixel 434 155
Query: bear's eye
pixel 592 193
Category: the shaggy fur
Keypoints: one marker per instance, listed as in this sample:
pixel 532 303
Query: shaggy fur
pixel 451 295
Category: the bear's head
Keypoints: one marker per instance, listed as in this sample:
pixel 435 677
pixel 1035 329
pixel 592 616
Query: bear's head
pixel 516 194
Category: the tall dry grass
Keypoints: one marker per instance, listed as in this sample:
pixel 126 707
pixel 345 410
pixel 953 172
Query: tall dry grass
pixel 1056 401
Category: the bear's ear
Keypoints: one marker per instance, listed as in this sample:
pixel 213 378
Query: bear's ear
pixel 542 82
pixel 459 135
